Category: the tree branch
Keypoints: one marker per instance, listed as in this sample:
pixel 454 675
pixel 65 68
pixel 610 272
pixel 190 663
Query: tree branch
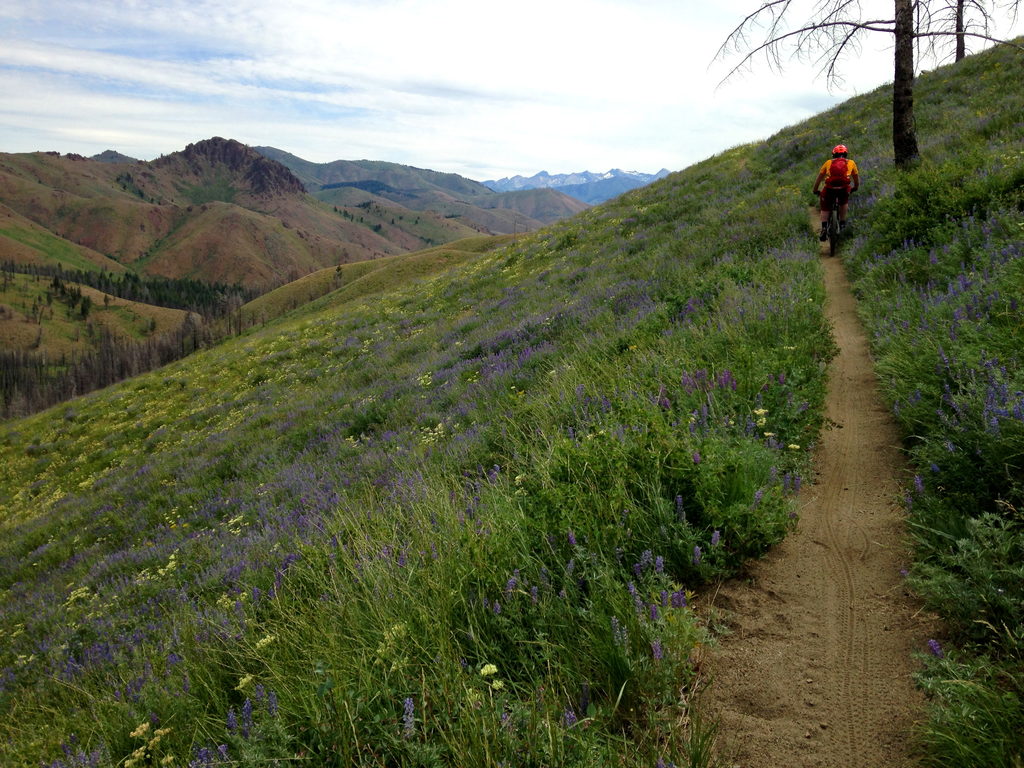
pixel 807 37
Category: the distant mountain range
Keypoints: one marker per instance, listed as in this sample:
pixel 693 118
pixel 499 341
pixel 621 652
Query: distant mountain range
pixel 374 182
pixel 590 188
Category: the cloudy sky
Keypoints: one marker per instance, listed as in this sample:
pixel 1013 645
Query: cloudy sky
pixel 483 88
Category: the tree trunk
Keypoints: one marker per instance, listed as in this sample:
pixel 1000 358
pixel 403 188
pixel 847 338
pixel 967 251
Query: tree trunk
pixel 904 133
pixel 961 40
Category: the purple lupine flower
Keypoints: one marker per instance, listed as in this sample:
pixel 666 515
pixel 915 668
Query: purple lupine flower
pixel 758 495
pixel 654 611
pixel 696 457
pixel 659 564
pixel 716 536
pixel 408 718
pixel 572 538
pixel 272 703
pixel 533 594
pixel 935 648
pixel 696 554
pixel 232 720
pixel 679 599
pixel 663 401
pixel 497 608
pixel 246 718
pixel 569 717
pixel 656 651
pixel 223 750
pixel 680 512
pixel 918 484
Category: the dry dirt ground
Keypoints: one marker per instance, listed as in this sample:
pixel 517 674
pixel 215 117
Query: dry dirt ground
pixel 815 670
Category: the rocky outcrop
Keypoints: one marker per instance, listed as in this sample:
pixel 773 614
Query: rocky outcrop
pixel 263 176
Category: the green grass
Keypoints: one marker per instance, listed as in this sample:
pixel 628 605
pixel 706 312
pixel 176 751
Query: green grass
pixel 51 247
pixel 554 427
pixel 456 515
pixel 218 190
pixel 348 282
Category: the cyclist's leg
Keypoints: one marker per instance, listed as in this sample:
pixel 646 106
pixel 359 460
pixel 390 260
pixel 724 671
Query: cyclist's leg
pixel 844 205
pixel 826 204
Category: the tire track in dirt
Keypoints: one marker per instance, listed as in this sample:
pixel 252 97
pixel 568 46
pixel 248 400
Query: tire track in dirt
pixel 816 671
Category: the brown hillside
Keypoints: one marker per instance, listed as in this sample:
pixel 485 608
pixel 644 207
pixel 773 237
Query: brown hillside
pixel 23 242
pixel 544 205
pixel 227 244
pixel 215 212
pixel 221 211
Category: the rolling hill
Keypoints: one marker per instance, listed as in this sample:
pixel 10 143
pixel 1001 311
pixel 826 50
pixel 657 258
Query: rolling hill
pixel 418 189
pixel 220 211
pixel 217 211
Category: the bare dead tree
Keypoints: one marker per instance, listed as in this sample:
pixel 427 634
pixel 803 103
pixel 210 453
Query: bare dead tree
pixel 966 18
pixel 834 29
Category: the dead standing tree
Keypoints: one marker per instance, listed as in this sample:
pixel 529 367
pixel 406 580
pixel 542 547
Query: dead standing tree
pixel 834 28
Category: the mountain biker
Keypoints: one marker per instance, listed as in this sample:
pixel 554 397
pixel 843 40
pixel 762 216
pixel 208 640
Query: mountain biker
pixel 841 179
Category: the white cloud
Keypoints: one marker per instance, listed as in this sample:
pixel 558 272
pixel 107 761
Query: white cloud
pixel 482 89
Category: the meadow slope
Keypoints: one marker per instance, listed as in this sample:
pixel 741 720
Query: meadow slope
pixel 461 521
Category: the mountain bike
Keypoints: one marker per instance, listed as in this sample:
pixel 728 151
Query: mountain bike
pixel 833 230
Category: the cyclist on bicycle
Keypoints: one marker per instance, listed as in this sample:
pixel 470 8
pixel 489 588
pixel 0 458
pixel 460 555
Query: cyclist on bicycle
pixel 841 178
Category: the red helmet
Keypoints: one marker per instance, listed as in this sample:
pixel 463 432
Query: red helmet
pixel 839 149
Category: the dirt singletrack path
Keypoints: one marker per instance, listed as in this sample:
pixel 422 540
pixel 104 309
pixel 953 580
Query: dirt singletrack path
pixel 816 669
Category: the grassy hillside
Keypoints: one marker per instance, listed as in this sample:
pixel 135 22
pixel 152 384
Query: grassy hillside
pixel 23 242
pixel 351 281
pixel 33 316
pixel 458 521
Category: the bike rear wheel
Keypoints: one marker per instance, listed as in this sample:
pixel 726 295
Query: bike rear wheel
pixel 833 232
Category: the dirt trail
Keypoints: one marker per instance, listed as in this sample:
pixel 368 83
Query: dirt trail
pixel 816 671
